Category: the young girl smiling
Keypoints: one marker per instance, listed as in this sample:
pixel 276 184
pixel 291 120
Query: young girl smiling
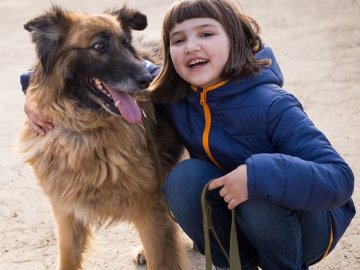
pixel 221 88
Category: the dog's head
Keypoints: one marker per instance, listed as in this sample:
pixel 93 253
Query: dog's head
pixel 91 59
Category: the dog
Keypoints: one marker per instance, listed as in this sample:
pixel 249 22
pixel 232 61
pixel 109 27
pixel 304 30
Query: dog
pixel 95 166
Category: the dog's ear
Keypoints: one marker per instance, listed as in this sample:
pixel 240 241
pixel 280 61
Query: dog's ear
pixel 131 18
pixel 46 32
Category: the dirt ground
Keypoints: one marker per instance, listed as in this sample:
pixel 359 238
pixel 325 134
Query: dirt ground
pixel 317 44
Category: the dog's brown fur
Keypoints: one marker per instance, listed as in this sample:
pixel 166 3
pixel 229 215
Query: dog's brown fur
pixel 94 166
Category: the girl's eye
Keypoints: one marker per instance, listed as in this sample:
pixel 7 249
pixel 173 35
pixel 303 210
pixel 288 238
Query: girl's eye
pixel 100 47
pixel 176 41
pixel 207 34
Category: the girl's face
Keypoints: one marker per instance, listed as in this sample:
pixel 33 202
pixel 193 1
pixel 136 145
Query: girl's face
pixel 199 49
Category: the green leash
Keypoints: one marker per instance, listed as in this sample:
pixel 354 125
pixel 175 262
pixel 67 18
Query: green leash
pixel 233 256
pixel 152 149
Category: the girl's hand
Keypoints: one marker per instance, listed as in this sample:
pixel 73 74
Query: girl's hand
pixel 38 122
pixel 234 186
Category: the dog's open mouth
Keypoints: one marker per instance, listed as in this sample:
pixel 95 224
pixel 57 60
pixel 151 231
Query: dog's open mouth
pixel 115 101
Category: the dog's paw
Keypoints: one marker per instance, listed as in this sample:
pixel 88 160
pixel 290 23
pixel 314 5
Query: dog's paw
pixel 140 258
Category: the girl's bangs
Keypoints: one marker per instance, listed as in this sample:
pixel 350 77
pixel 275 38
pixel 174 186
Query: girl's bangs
pixel 185 10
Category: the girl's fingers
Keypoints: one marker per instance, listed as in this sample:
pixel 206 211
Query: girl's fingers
pixel 227 198
pixel 37 119
pixel 223 192
pixel 40 120
pixel 37 129
pixel 39 116
pixel 215 184
pixel 43 125
pixel 232 204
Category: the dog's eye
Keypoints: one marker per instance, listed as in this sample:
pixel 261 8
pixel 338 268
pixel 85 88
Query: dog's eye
pixel 100 47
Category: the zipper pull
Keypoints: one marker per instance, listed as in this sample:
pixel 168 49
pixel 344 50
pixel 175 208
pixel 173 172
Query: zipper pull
pixel 202 98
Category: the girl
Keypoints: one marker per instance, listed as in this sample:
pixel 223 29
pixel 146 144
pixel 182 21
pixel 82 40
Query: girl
pixel 220 87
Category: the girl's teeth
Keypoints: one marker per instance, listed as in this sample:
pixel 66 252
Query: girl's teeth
pixel 195 62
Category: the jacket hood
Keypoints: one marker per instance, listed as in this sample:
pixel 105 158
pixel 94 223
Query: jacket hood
pixel 267 75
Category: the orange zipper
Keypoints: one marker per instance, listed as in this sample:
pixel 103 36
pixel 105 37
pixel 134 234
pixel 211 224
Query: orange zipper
pixel 207 113
pixel 330 241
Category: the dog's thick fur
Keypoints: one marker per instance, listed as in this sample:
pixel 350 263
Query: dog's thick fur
pixel 94 166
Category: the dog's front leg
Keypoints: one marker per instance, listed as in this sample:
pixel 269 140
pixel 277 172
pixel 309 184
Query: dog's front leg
pixel 160 237
pixel 73 238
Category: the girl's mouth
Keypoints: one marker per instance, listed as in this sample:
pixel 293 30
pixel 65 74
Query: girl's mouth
pixel 197 62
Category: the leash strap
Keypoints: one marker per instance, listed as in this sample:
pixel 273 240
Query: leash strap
pixel 233 256
pixel 152 149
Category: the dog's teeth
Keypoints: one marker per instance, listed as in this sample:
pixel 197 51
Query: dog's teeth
pixel 117 103
pixel 98 84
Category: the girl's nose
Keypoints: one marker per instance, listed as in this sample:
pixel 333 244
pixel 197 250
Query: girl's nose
pixel 192 46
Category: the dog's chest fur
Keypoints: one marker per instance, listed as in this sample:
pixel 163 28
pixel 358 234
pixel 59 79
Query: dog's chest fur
pixel 88 172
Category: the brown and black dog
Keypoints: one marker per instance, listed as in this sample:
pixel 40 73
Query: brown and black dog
pixel 94 165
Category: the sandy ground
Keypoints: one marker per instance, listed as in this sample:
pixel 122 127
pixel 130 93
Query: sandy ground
pixel 318 46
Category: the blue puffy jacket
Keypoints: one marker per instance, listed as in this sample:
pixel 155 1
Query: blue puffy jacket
pixel 254 121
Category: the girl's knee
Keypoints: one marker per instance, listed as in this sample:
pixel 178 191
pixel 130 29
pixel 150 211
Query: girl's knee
pixel 265 220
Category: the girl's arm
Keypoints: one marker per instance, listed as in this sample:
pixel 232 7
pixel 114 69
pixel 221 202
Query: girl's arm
pixel 306 173
pixel 37 121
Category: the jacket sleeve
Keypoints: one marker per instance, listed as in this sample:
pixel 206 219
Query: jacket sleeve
pixel 306 172
pixel 24 80
pixel 151 67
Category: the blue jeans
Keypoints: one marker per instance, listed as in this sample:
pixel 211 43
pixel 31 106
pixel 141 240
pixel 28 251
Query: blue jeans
pixel 270 236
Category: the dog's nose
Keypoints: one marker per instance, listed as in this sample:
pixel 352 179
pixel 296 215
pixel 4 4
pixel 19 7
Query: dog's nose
pixel 144 80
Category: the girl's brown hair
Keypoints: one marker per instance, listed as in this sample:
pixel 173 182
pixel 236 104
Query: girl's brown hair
pixel 243 33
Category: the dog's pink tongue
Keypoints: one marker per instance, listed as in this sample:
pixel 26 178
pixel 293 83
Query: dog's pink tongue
pixel 126 105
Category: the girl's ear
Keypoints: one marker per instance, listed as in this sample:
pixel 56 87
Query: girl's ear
pixel 46 32
pixel 131 18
